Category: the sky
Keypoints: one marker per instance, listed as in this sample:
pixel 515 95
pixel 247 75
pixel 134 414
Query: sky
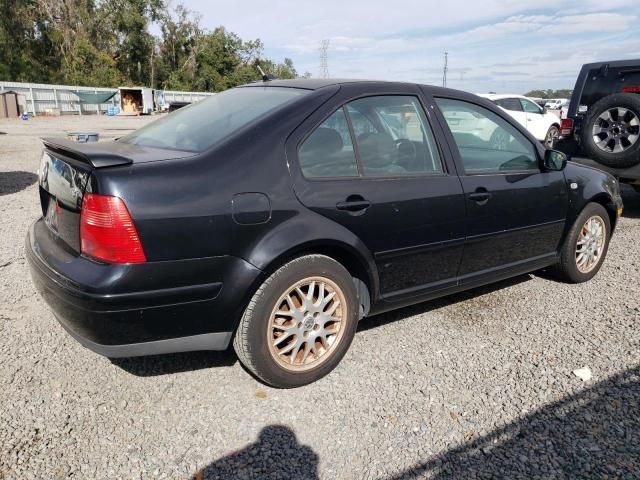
pixel 503 46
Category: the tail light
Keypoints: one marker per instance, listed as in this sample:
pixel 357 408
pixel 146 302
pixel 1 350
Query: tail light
pixel 631 89
pixel 107 231
pixel 566 127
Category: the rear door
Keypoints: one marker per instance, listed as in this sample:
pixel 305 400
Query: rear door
pixel 370 162
pixel 516 213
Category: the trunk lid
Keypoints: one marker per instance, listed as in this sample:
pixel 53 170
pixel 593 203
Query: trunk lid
pixel 64 174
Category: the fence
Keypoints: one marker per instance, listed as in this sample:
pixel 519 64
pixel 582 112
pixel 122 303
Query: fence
pixel 42 98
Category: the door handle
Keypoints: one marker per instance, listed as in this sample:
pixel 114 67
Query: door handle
pixel 480 196
pixel 353 203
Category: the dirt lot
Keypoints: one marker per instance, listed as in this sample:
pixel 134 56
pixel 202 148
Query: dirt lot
pixel 478 385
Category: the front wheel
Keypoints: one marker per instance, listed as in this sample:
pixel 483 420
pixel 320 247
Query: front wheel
pixel 586 245
pixel 300 322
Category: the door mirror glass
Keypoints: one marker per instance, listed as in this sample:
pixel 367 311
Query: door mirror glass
pixel 554 160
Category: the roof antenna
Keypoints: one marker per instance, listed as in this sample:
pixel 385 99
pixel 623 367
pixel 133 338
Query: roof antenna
pixel 265 77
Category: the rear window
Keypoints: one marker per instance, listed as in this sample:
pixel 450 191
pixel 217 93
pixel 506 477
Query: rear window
pixel 201 125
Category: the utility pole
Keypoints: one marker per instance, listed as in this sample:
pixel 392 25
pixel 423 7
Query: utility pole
pixel 446 68
pixel 324 64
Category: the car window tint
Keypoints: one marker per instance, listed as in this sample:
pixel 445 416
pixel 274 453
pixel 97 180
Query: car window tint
pixel 487 143
pixel 393 137
pixel 328 151
pixel 529 106
pixel 509 104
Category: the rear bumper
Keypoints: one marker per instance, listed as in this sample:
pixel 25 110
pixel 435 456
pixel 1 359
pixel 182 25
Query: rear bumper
pixel 141 309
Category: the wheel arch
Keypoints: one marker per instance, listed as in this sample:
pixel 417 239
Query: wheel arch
pixel 362 269
pixel 609 205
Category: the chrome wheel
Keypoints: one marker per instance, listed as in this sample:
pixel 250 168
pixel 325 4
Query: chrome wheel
pixel 307 324
pixel 616 130
pixel 590 244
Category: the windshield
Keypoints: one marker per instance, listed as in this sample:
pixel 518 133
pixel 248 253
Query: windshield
pixel 201 125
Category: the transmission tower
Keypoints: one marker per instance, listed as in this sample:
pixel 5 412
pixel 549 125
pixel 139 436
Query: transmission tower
pixel 324 64
pixel 446 68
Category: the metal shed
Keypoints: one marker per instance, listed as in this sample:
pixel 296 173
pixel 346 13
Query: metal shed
pixel 9 104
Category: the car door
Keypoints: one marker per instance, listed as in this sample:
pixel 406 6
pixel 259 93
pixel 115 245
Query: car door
pixel 370 162
pixel 537 122
pixel 516 212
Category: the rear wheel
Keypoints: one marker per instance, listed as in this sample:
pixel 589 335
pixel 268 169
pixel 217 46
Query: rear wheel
pixel 551 137
pixel 300 322
pixel 611 132
pixel 586 245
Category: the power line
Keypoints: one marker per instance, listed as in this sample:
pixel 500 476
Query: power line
pixel 324 64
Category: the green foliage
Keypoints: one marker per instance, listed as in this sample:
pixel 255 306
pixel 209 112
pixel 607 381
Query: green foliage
pixel 563 93
pixel 107 43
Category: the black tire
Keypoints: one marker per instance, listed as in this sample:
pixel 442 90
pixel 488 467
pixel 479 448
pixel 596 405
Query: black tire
pixel 251 341
pixel 551 137
pixel 567 268
pixel 624 159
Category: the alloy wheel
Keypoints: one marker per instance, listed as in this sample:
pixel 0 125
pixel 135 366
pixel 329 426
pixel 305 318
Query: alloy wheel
pixel 307 324
pixel 590 244
pixel 616 130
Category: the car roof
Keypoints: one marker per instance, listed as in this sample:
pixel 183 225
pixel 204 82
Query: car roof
pixel 499 96
pixel 318 83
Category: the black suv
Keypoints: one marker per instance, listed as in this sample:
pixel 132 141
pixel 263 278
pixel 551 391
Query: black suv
pixel 603 120
pixel 277 215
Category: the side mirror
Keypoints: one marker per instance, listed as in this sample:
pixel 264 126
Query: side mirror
pixel 554 160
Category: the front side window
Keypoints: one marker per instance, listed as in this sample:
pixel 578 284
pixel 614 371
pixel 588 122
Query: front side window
pixel 487 143
pixel 529 107
pixel 201 125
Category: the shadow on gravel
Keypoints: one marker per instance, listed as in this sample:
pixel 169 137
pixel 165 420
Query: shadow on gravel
pixel 156 365
pixel 13 182
pixel 592 434
pixel 428 306
pixel 276 454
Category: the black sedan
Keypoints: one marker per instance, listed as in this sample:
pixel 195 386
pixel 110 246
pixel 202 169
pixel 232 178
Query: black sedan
pixel 276 215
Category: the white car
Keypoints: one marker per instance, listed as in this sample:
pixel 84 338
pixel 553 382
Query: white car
pixel 556 103
pixel 543 125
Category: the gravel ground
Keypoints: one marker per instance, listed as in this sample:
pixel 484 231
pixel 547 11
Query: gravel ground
pixel 478 385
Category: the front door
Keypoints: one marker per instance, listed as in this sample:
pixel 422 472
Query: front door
pixel 516 212
pixel 373 165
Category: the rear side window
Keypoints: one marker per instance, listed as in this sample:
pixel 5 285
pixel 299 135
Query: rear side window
pixel 199 126
pixel 509 104
pixel 328 151
pixel 392 138
pixel 487 143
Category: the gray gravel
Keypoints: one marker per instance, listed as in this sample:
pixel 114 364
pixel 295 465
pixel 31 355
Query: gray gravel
pixel 478 385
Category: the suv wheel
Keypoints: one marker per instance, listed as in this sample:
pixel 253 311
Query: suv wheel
pixel 586 245
pixel 300 322
pixel 551 137
pixel 611 132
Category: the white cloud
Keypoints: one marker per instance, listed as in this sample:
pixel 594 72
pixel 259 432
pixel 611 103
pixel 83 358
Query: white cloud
pixel 493 44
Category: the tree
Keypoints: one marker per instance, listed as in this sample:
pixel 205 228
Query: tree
pixel 108 43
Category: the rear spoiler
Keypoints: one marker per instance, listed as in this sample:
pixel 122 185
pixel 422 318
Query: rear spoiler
pixel 92 153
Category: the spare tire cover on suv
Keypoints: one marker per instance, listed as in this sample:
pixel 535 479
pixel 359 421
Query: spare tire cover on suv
pixel 611 133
